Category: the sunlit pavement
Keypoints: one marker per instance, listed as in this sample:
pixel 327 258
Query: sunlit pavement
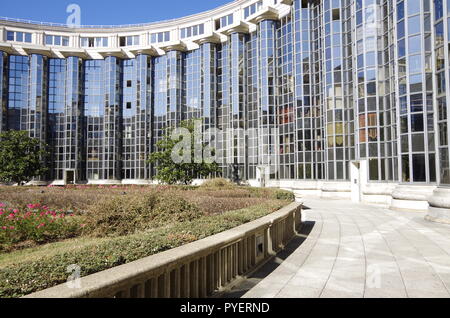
pixel 356 250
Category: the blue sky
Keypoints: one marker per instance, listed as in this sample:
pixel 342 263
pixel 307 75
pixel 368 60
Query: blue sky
pixel 106 12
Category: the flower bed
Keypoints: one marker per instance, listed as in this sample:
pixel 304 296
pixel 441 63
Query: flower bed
pixel 114 226
pixel 27 274
pixel 38 224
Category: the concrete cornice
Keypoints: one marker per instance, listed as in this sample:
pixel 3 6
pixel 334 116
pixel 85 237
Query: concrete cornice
pixel 174 46
pixel 214 37
pixel 268 11
pixel 240 27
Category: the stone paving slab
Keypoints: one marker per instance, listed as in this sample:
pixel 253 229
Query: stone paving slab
pixel 357 250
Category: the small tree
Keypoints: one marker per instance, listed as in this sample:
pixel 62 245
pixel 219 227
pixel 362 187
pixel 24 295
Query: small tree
pixel 21 157
pixel 171 171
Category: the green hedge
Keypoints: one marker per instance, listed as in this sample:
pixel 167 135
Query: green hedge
pixel 22 278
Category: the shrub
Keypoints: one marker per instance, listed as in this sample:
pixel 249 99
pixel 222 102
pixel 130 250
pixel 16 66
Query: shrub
pixel 125 215
pixel 174 208
pixel 218 183
pixel 22 278
pixel 37 224
pixel 119 215
pixel 284 195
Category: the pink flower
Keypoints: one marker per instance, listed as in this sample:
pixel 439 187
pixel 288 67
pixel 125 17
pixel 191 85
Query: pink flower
pixel 33 206
pixel 15 211
pixel 41 225
pixel 12 228
pixel 2 205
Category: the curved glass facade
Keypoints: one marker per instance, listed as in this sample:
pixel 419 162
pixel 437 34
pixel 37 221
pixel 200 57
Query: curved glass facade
pixel 304 87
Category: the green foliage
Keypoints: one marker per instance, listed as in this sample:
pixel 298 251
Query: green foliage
pixel 284 195
pixel 170 172
pixel 21 157
pixel 113 211
pixel 36 225
pixel 122 225
pixel 126 215
pixel 29 276
pixel 219 183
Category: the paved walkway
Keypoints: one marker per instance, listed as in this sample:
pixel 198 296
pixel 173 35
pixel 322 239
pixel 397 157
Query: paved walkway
pixel 356 250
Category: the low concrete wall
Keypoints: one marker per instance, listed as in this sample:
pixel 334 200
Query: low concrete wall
pixel 336 190
pixel 193 270
pixel 378 193
pixel 324 189
pixel 439 210
pixel 411 198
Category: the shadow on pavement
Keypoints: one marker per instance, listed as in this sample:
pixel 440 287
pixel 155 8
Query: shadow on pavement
pixel 243 287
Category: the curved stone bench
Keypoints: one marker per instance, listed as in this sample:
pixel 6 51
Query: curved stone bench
pixel 439 210
pixel 307 188
pixel 192 270
pixel 411 198
pixel 336 190
pixel 378 193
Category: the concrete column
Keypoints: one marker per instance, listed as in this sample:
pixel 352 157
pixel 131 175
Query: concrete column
pixel 245 258
pixel 241 257
pixel 194 278
pixel 138 291
pixel 270 250
pixel 220 269
pixel 175 283
pixel 148 289
pixel 210 274
pixel 185 281
pixel 154 288
pixel 163 287
pixel 228 264
pixel 235 260
pixel 357 180
pixel 223 267
pixel 252 251
pixel 202 277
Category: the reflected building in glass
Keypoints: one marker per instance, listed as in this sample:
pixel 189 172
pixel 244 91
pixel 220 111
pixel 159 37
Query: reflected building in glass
pixel 338 98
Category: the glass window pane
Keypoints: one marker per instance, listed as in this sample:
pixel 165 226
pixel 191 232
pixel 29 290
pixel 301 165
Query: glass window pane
pixel 414 24
pixel 413 7
pixel 10 36
pixel 48 40
pixel 419 170
pixel 415 44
